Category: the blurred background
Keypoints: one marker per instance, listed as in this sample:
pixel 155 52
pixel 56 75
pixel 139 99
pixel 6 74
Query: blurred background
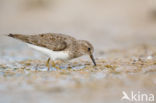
pixel 108 24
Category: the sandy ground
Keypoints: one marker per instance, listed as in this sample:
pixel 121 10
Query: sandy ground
pixel 122 32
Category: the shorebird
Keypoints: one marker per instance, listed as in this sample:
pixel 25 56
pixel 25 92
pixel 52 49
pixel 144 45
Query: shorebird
pixel 57 46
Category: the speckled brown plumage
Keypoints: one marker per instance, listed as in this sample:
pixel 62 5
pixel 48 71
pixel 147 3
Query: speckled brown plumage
pixel 59 42
pixel 53 41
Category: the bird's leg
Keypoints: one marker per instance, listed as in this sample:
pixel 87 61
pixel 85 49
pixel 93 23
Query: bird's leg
pixel 54 65
pixel 47 64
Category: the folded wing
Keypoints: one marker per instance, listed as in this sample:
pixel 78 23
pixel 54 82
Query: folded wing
pixel 52 41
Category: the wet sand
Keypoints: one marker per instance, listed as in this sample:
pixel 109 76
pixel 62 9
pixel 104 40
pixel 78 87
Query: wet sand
pixel 125 50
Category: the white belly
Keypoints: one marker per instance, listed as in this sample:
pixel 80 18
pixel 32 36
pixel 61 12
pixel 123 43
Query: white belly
pixel 54 55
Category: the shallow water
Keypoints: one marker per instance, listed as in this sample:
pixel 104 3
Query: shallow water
pixel 26 76
pixel 122 32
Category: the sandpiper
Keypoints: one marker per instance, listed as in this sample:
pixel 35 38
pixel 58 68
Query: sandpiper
pixel 57 46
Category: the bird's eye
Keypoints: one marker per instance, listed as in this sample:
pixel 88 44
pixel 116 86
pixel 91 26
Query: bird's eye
pixel 88 49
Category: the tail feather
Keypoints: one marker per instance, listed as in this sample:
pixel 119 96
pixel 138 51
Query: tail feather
pixel 20 37
pixel 11 35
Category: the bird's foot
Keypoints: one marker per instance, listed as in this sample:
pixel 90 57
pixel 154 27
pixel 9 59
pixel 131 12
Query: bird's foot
pixel 54 65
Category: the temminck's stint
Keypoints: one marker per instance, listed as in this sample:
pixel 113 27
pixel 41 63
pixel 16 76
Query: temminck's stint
pixel 57 46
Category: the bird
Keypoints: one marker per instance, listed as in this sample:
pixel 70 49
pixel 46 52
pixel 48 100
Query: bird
pixel 57 46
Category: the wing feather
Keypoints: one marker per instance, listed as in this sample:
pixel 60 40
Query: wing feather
pixel 53 41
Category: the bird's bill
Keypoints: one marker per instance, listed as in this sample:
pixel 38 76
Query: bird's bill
pixel 92 58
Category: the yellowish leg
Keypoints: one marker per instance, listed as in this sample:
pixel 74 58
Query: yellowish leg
pixel 47 64
pixel 54 65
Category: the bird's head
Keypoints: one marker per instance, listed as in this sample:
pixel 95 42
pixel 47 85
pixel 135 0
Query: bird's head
pixel 86 48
